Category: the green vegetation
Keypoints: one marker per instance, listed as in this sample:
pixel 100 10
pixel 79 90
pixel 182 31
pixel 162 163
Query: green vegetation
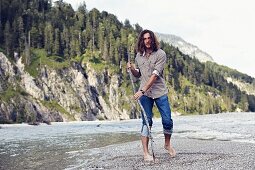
pixel 11 92
pixel 39 60
pixel 8 94
pixel 53 105
pixel 56 36
pixel 1 50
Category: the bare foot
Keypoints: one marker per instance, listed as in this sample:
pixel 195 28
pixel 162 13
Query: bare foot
pixel 171 151
pixel 148 158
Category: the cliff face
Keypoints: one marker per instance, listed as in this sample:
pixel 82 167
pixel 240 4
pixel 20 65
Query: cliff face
pixel 58 95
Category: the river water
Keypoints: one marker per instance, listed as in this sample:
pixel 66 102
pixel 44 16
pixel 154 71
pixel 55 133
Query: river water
pixel 59 145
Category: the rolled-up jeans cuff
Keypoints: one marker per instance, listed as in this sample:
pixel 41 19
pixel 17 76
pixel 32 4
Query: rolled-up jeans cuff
pixel 168 131
pixel 145 131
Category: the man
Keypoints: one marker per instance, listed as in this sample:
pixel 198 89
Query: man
pixel 150 61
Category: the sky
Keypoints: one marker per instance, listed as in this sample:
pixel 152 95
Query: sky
pixel 225 29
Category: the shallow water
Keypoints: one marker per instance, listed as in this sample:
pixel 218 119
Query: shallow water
pixel 226 127
pixel 59 146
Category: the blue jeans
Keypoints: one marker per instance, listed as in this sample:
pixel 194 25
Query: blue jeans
pixel 165 112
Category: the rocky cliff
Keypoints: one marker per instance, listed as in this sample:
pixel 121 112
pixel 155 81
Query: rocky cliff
pixel 74 93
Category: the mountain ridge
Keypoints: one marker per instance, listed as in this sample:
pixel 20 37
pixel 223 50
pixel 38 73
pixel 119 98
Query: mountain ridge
pixel 185 47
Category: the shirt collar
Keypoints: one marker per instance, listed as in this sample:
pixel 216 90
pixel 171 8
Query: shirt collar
pixel 144 53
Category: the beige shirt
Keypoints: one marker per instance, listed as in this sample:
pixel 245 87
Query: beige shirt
pixel 153 64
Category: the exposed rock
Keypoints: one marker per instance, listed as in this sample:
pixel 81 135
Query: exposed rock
pixel 185 47
pixel 59 95
pixel 246 87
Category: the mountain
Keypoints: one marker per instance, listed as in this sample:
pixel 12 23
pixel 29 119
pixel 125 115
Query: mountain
pixel 194 51
pixel 185 47
pixel 57 64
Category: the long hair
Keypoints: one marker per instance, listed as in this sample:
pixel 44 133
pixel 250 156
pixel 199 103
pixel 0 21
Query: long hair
pixel 140 47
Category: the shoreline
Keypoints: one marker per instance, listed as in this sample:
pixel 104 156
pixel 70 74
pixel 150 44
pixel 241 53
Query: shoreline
pixel 223 141
pixel 191 154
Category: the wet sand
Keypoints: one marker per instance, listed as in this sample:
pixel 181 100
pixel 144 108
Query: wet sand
pixel 191 154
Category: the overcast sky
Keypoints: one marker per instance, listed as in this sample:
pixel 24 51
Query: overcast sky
pixel 225 29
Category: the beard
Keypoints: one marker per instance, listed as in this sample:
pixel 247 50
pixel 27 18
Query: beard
pixel 148 46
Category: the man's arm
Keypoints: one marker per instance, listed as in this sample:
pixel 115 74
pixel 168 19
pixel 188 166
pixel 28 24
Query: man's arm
pixel 134 71
pixel 150 82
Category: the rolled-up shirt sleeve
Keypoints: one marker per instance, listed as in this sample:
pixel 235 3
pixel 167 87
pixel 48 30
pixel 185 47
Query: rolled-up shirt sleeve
pixel 160 64
pixel 155 72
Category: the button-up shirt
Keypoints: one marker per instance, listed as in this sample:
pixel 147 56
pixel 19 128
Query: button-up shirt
pixel 153 64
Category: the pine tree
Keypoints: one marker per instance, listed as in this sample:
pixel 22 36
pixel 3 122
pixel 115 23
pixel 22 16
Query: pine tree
pixel 105 54
pixel 1 26
pixel 83 41
pixel 117 53
pixel 75 44
pixel 138 28
pixel 95 14
pixel 111 47
pixel 88 34
pixel 8 38
pixel 34 36
pixel 21 34
pixel 123 37
pixel 101 34
pixel 48 38
pixel 56 48
pixel 1 33
pixel 66 42
pixel 40 41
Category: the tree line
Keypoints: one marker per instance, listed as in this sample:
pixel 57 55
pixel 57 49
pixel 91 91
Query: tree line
pixel 63 32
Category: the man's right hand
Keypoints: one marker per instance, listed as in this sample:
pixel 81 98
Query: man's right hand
pixel 138 94
pixel 129 65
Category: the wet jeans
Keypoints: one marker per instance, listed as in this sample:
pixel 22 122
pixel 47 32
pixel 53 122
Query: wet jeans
pixel 165 112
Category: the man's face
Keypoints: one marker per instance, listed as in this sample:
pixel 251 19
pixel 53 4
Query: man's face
pixel 147 40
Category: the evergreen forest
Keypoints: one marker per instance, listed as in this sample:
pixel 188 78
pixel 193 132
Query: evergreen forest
pixel 54 34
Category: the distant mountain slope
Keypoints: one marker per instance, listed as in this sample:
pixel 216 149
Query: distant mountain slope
pixel 242 81
pixel 243 86
pixel 185 47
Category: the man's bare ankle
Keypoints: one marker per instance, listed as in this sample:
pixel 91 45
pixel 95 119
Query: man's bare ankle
pixel 170 150
pixel 167 146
